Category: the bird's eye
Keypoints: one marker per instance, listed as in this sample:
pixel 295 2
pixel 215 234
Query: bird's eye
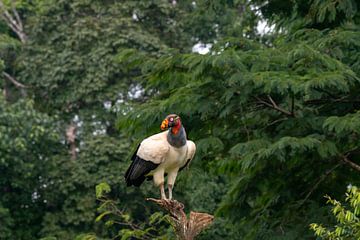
pixel 171 119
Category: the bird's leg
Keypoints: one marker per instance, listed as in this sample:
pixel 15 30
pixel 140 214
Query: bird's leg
pixel 170 187
pixel 162 191
pixel 171 181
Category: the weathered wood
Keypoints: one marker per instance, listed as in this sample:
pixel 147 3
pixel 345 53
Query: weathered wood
pixel 185 229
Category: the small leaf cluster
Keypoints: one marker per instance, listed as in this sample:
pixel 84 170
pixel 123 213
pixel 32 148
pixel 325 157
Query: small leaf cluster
pixel 123 225
pixel 347 218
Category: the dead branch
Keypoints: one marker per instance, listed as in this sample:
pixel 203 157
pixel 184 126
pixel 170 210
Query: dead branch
pixel 9 78
pixel 350 163
pixel 13 20
pixel 16 14
pixel 14 81
pixel 272 101
pixel 320 179
pixel 273 105
pixel 185 229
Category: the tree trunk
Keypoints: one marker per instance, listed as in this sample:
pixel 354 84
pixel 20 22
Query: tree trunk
pixel 71 138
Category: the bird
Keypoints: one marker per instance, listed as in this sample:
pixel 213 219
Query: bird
pixel 167 152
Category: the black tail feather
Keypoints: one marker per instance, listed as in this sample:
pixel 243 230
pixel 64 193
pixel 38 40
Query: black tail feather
pixel 139 168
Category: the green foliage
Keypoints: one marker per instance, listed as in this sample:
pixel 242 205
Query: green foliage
pixel 123 226
pixel 347 219
pixel 78 58
pixel 28 142
pixel 330 10
pixel 272 116
pixel 102 189
pixel 101 158
pixel 6 223
pixel 72 61
pixel 344 125
pixel 275 120
pixel 311 14
pixel 9 47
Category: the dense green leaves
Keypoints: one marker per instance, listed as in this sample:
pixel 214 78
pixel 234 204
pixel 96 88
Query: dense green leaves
pixel 276 120
pixel 275 117
pixel 83 62
pixel 28 145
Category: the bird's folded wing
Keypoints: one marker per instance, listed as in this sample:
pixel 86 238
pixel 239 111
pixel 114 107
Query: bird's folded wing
pixel 191 149
pixel 154 148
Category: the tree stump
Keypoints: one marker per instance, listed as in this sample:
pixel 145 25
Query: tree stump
pixel 185 229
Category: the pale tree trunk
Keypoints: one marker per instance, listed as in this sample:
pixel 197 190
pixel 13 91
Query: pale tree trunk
pixel 10 79
pixel 12 18
pixel 6 90
pixel 71 139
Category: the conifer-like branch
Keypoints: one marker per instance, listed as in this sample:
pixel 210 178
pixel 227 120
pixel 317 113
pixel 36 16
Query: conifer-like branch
pixel 273 105
pixel 330 101
pixel 325 91
pixel 185 229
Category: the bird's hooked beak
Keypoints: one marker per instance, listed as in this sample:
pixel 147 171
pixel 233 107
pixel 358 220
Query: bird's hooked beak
pixel 164 125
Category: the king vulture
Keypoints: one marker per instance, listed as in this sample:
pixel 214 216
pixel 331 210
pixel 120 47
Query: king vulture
pixel 167 152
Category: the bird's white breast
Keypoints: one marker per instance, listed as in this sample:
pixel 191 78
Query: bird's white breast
pixel 176 158
pixel 158 150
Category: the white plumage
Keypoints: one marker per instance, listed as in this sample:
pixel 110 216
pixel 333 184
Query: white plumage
pixel 163 153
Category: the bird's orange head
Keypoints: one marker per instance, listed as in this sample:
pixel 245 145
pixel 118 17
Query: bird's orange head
pixel 172 120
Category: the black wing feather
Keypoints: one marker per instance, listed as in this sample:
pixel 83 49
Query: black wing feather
pixel 135 175
pixel 187 163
